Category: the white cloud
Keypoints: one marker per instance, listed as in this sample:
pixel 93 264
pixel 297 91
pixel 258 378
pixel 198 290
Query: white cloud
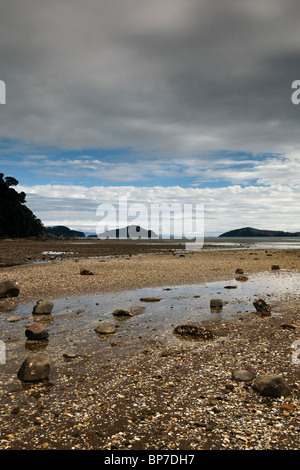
pixel 274 208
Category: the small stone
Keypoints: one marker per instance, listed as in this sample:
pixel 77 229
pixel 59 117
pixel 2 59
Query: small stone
pixel 239 271
pixel 216 304
pixel 35 367
pixel 262 307
pixel 36 331
pixel 105 329
pixel 43 307
pixel 243 375
pixel 275 267
pixel 150 299
pixel 13 319
pixel 271 385
pixel 9 289
pixel 120 312
pixel 241 278
pixel 193 331
pixel 86 272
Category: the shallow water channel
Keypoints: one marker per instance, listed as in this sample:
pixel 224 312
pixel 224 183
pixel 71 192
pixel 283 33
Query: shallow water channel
pixel 71 326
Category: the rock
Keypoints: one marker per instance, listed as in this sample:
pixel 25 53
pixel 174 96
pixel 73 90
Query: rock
pixel 242 375
pixel 150 299
pixel 36 331
pixel 86 272
pixel 271 385
pixel 13 319
pixel 105 329
pixel 275 267
pixel 34 368
pixel 262 307
pixel 239 271
pixel 9 289
pixel 68 356
pixel 241 278
pixel 43 307
pixel 120 312
pixel 216 304
pixel 193 331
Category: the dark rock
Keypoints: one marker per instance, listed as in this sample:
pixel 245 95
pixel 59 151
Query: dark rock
pixel 150 299
pixel 36 331
pixel 9 289
pixel 34 368
pixel 262 307
pixel 120 312
pixel 241 278
pixel 13 319
pixel 242 375
pixel 193 331
pixel 275 267
pixel 271 385
pixel 43 307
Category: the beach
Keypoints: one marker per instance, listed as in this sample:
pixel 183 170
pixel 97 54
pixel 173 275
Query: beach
pixel 136 389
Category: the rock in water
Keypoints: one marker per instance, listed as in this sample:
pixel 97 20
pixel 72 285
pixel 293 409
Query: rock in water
pixel 43 307
pixel 243 375
pixel 36 331
pixel 271 386
pixel 193 331
pixel 105 329
pixel 34 368
pixel 9 289
pixel 120 312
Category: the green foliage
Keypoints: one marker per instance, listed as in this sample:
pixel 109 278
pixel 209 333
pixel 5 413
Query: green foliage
pixel 16 220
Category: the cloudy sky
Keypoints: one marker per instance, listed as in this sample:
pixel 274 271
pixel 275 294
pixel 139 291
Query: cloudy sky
pixel 176 101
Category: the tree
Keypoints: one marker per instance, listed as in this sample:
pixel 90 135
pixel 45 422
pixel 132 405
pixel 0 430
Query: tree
pixel 16 220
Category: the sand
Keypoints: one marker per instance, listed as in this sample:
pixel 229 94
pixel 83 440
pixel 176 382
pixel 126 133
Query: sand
pixel 127 392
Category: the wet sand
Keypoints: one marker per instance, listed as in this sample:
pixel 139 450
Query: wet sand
pixel 141 392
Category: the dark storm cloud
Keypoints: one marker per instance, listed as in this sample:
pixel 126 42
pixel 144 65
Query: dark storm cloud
pixel 177 77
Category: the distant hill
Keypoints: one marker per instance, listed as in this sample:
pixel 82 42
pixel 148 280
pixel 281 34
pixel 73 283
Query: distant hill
pixel 123 233
pixel 254 232
pixel 62 231
pixel 16 219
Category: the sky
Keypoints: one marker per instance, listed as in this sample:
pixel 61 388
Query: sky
pixel 161 101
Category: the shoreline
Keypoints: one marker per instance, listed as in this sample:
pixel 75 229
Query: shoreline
pixel 127 272
pixel 139 392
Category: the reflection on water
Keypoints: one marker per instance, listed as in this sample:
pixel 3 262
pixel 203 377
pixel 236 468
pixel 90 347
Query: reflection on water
pixel 73 320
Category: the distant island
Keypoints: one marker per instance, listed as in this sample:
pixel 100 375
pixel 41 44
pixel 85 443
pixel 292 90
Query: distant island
pixel 254 232
pixel 127 233
pixel 62 231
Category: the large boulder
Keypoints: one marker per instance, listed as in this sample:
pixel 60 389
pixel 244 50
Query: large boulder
pixel 271 385
pixel 9 289
pixel 35 367
pixel 43 307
